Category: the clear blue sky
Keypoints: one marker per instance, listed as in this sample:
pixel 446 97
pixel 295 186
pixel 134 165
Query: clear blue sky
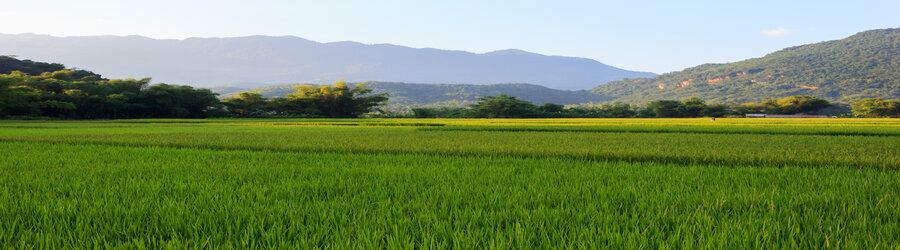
pixel 656 36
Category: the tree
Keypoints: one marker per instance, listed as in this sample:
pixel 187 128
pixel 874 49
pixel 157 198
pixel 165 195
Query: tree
pixel 551 108
pixel 800 104
pixel 5 95
pixel 56 108
pixel 502 106
pixel 78 94
pixel 875 107
pixel 616 110
pixel 786 105
pixel 691 107
pixel 171 101
pixel 247 104
pixel 286 107
pixel 338 100
pixel 717 110
pixel 665 108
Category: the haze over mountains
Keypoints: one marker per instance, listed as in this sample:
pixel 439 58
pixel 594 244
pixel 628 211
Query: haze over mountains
pixel 262 60
pixel 863 65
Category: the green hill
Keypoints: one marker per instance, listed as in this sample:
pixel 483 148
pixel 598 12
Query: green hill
pixel 405 95
pixel 863 65
pixel 8 64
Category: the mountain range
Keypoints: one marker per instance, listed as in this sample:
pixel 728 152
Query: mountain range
pixel 864 65
pixel 256 61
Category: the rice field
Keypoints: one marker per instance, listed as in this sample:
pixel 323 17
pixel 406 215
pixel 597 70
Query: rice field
pixel 451 183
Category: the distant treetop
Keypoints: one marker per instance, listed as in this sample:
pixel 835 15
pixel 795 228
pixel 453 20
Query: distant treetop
pixel 8 64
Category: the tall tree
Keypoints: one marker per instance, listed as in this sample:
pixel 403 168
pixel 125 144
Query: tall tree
pixel 665 108
pixel 502 106
pixel 801 104
pixel 247 104
pixel 338 100
pixel 691 107
pixel 616 110
pixel 876 107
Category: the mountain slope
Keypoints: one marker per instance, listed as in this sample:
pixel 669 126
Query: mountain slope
pixel 863 65
pixel 9 64
pixel 403 95
pixel 261 60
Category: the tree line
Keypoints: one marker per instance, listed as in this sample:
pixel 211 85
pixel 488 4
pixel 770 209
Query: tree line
pixel 70 94
pixel 64 95
pixel 60 94
pixel 876 108
pixel 335 101
pixel 504 106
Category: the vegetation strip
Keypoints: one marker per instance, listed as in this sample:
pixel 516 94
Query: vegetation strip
pixel 257 184
pixel 660 130
pixel 682 149
pixel 239 199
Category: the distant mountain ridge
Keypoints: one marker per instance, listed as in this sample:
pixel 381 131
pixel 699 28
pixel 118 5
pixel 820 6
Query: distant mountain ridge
pixel 403 96
pixel 864 65
pixel 255 61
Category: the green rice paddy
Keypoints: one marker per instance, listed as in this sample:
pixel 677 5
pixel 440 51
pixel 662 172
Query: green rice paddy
pixel 451 183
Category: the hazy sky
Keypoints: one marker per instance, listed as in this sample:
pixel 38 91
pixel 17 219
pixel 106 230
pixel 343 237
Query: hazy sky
pixel 656 36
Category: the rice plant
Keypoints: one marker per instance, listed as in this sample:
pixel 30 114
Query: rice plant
pixel 468 184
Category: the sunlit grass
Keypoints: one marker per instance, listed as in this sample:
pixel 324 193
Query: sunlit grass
pixel 397 183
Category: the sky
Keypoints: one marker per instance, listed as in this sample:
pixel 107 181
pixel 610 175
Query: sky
pixel 655 36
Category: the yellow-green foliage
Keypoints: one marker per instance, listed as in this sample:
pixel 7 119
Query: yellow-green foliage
pixel 404 183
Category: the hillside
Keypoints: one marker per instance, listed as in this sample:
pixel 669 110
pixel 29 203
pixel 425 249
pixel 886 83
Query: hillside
pixel 863 65
pixel 8 64
pixel 256 61
pixel 403 95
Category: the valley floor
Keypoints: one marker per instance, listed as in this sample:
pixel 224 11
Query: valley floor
pixel 439 183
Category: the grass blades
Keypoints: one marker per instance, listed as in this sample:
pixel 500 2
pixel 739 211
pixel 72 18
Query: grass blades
pixel 879 152
pixel 450 183
pixel 95 195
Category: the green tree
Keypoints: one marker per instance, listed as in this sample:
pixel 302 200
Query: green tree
pixel 247 104
pixel 665 108
pixel 875 107
pixel 172 101
pixel 53 108
pixel 338 100
pixel 287 107
pixel 551 108
pixel 800 104
pixel 616 110
pixel 502 106
pixel 691 107
pixel 716 110
pixel 75 94
pixel 6 94
pixel 786 105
